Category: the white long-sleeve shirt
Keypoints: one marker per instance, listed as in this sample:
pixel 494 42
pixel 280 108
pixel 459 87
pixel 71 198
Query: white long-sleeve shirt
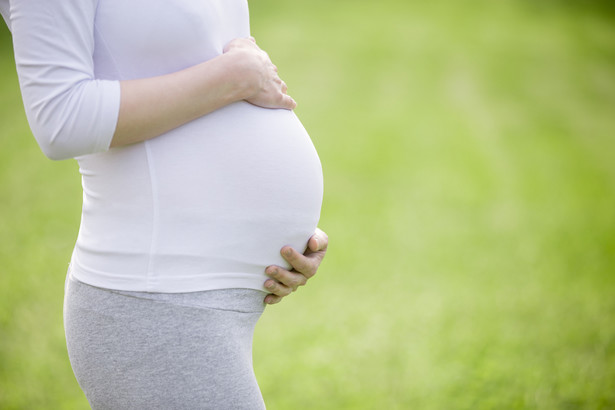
pixel 205 206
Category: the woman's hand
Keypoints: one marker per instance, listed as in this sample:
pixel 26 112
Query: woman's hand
pixel 263 84
pixel 284 282
pixel 152 106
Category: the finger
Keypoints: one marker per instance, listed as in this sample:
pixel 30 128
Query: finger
pixel 303 264
pixel 319 241
pixel 277 288
pixel 229 45
pixel 284 101
pixel 288 102
pixel 272 299
pixel 289 279
pixel 237 43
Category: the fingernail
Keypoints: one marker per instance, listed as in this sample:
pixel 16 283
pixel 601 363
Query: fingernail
pixel 269 285
pixel 288 252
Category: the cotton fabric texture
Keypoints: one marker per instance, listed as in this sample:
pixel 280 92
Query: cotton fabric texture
pixel 144 351
pixel 208 205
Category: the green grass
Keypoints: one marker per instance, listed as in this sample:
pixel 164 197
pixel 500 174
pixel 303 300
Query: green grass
pixel 469 159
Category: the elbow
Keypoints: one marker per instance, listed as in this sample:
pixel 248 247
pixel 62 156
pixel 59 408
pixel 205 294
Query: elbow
pixel 57 145
pixel 68 144
pixel 56 152
pixel 79 121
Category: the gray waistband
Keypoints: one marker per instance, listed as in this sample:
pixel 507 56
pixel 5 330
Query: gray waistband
pixel 239 300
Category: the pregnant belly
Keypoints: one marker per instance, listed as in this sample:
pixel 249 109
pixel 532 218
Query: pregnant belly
pixel 233 187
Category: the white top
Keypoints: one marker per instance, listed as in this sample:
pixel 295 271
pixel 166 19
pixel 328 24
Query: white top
pixel 205 206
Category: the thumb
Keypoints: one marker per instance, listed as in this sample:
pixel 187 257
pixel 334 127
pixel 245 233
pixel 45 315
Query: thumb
pixel 313 244
pixel 319 241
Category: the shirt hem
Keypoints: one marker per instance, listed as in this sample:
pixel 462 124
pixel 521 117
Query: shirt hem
pixel 176 284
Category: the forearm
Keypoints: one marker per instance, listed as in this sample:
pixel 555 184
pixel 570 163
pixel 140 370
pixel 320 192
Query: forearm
pixel 152 106
pixel 72 113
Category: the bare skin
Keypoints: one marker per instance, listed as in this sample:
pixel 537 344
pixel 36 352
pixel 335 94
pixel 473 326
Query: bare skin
pixel 284 282
pixel 152 106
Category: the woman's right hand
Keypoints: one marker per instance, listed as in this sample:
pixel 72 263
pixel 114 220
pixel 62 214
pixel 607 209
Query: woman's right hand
pixel 283 282
pixel 263 86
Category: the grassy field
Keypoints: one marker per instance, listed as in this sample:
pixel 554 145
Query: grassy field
pixel 469 159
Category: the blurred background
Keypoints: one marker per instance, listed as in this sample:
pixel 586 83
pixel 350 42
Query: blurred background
pixel 469 158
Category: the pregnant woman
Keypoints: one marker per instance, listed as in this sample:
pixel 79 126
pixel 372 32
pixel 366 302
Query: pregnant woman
pixel 196 172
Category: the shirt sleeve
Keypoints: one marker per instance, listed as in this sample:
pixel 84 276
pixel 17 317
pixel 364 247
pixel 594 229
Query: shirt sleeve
pixel 70 112
pixel 4 10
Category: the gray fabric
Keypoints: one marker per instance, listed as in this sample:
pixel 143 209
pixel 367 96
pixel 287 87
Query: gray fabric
pixel 138 350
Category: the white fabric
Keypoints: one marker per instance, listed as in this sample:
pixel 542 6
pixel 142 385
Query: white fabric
pixel 4 11
pixel 205 206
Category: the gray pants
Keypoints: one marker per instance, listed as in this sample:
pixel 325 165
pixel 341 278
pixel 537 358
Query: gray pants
pixel 138 350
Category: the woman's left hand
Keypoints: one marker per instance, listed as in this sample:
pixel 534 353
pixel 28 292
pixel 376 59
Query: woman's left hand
pixel 283 282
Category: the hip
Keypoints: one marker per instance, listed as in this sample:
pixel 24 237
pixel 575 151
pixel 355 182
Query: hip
pixel 154 350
